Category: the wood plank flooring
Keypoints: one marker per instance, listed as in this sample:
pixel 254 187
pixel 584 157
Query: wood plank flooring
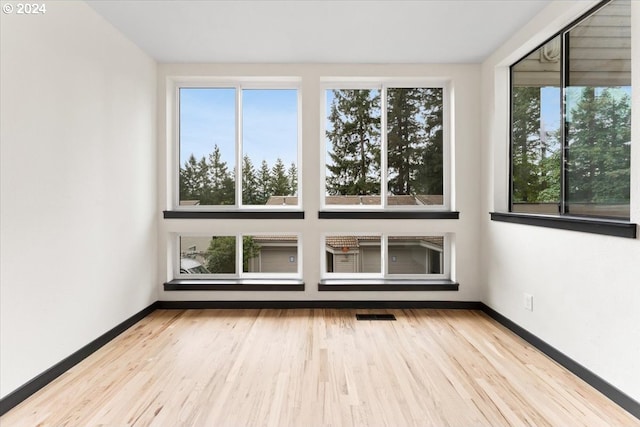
pixel 317 368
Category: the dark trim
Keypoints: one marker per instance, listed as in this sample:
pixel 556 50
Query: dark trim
pixel 347 304
pixel 608 227
pixel 233 214
pixel 623 400
pixel 23 392
pixel 613 393
pixel 388 215
pixel 233 285
pixel 380 285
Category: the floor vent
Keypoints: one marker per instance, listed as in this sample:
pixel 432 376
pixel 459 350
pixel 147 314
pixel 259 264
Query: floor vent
pixel 375 317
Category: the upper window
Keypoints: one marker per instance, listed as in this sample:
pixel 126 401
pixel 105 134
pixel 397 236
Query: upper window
pixel 238 146
pixel 385 147
pixel 571 119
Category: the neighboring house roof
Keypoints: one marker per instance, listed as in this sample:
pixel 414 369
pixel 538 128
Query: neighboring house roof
pixel 339 242
pixel 189 202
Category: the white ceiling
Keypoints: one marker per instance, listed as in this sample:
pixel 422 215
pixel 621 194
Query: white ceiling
pixel 329 31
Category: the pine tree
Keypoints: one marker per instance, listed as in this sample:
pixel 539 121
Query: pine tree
pixel 406 137
pixel 292 173
pixel 599 148
pixel 279 180
pixel 263 184
pixel 193 179
pixel 526 144
pixel 221 182
pixel 249 182
pixel 354 166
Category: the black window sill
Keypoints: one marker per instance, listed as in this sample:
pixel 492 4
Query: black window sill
pixel 608 227
pixel 236 214
pixel 388 214
pixel 386 285
pixel 234 285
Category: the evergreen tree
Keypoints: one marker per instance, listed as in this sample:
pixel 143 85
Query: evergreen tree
pixel 264 183
pixel 355 143
pixel 193 178
pixel 221 182
pixel 599 148
pixel 526 144
pixel 279 185
pixel 406 138
pixel 249 182
pixel 292 173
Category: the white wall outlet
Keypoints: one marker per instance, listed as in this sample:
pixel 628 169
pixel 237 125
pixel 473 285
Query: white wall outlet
pixel 528 302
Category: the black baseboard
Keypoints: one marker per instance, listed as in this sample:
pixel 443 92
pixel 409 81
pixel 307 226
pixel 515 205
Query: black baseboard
pixel 451 305
pixel 20 394
pixel 617 396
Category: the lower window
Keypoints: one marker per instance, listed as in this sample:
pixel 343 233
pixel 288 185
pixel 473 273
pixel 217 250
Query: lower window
pixel 238 256
pixel 386 256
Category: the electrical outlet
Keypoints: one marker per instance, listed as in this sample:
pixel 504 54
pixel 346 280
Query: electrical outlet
pixel 528 302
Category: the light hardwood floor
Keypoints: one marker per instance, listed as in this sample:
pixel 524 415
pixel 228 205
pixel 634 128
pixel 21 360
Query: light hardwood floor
pixel 317 368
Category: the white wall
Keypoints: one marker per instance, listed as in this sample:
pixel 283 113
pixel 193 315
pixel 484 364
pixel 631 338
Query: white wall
pixel 78 207
pixel 586 287
pixel 464 81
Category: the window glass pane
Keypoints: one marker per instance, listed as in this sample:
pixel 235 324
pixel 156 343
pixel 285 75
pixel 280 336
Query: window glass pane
pixel 598 113
pixel 269 146
pixel 353 147
pixel 353 254
pixel 207 146
pixel 207 255
pixel 270 254
pixel 535 130
pixel 415 255
pixel 414 146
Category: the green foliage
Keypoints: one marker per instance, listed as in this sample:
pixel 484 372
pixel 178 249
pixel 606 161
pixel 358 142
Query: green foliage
pixel 279 184
pixel 414 142
pixel 599 152
pixel 211 183
pixel 249 182
pixel 221 254
pixel 527 148
pixel 250 250
pixel 354 166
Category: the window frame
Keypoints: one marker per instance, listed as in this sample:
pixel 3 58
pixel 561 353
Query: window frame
pixel 382 85
pixel 238 84
pixel 239 275
pixel 602 224
pixel 384 274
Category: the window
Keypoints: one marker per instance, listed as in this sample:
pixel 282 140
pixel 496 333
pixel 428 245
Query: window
pixel 385 256
pixel 571 120
pixel 238 147
pixel 385 147
pixel 239 256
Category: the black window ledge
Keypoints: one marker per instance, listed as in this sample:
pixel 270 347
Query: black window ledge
pixel 234 285
pixel 233 214
pixel 608 227
pixel 387 285
pixel 389 215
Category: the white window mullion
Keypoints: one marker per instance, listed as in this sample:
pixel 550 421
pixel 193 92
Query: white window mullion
pixel 239 248
pixel 238 169
pixel 383 147
pixel 384 254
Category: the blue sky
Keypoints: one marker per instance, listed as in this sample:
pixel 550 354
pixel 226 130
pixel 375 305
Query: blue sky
pixel 270 124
